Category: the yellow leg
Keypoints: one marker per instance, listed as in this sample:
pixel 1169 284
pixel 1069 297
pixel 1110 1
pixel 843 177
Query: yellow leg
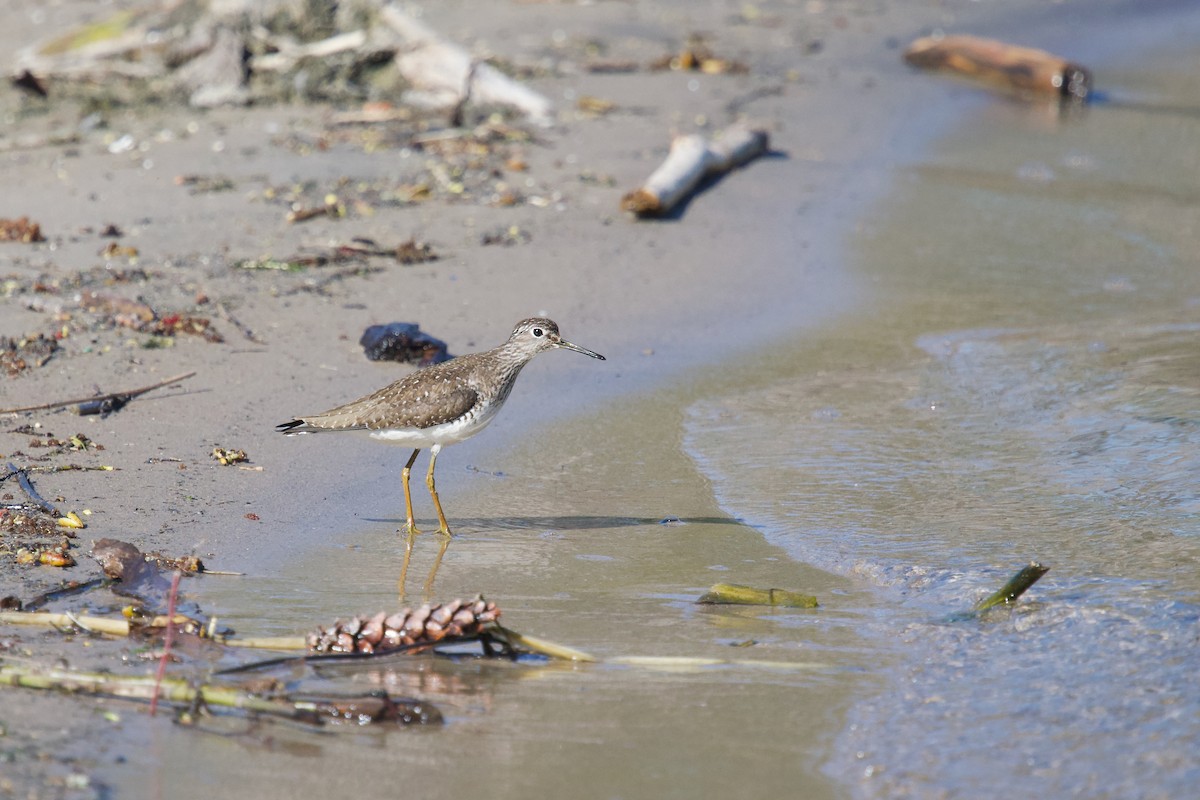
pixel 444 529
pixel 412 525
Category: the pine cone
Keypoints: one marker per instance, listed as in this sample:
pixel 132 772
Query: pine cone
pixel 384 632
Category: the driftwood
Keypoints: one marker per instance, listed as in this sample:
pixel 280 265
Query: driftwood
pixel 102 403
pixel 1017 70
pixel 211 53
pixel 447 75
pixel 691 160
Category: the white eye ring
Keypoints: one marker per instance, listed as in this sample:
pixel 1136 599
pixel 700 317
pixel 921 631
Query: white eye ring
pixel 538 332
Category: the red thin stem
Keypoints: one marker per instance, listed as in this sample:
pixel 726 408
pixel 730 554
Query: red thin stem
pixel 168 640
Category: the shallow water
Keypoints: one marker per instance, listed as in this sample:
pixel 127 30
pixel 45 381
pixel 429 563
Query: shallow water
pixel 1026 389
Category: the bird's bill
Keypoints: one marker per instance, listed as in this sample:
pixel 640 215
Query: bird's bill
pixel 578 349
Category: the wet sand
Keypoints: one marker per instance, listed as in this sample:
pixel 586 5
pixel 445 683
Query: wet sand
pixel 567 539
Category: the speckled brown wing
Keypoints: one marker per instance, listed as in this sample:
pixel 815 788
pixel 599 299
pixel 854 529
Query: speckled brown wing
pixel 407 403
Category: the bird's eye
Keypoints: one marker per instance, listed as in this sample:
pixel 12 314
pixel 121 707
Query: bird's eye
pixel 538 332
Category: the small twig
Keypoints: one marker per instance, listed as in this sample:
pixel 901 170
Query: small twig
pixel 340 275
pixel 27 487
pixel 543 647
pixel 125 396
pixel 246 331
pixel 64 591
pixel 105 625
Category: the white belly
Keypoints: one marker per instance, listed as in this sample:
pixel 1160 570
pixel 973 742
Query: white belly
pixel 447 433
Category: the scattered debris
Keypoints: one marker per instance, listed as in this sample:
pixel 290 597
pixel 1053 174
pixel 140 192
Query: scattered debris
pixel 412 252
pixel 242 51
pixel 114 251
pixel 137 315
pixel 204 184
pixel 691 160
pixel 18 355
pixel 513 234
pixel 733 594
pixel 595 105
pixel 332 208
pixel 229 456
pixel 54 556
pixel 1021 71
pixel 404 342
pixel 20 230
pixel 697 57
pixel 126 312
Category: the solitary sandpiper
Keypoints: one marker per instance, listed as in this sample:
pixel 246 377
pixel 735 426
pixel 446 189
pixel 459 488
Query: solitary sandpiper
pixel 439 405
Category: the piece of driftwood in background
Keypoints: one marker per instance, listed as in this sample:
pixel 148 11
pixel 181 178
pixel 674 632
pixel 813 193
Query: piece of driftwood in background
pixel 692 159
pixel 1013 69
pixel 446 74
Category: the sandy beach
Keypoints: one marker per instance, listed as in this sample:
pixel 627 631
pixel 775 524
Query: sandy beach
pixel 559 507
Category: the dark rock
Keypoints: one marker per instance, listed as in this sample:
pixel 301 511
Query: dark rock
pixel 404 342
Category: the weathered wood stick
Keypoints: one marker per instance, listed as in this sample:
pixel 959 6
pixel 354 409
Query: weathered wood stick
pixel 1013 588
pixel 734 594
pixel 443 68
pixel 1008 67
pixel 125 396
pixel 106 625
pixel 691 160
pixel 288 54
pixel 27 487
